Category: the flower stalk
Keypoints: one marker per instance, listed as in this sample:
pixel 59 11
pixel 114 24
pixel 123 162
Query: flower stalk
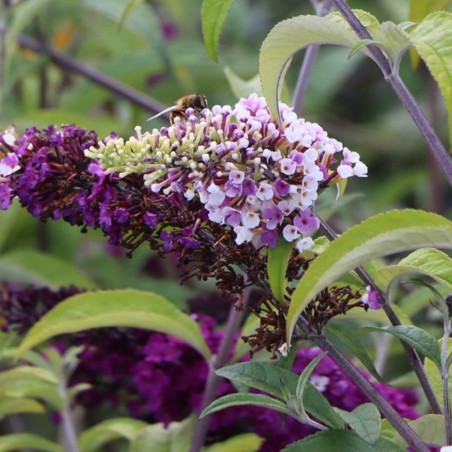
pixel 236 314
pixel 438 151
pixel 384 407
pixel 411 353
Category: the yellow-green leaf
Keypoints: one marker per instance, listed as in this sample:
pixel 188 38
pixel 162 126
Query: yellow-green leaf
pixel 11 405
pixel 292 35
pixel 115 308
pixel 95 437
pixel 427 261
pixel 28 372
pixel 432 39
pixel 378 236
pixel 418 10
pixel 421 8
pixel 213 15
pixel 278 259
pixel 18 441
pixel 175 437
pixel 240 87
pixel 246 442
pixel 34 267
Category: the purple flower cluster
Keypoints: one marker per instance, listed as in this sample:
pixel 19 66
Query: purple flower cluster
pixel 250 173
pixel 50 175
pixel 161 379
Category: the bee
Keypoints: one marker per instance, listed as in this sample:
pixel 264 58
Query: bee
pixel 195 101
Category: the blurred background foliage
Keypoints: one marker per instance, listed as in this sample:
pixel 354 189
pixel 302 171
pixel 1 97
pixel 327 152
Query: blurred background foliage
pixel 158 50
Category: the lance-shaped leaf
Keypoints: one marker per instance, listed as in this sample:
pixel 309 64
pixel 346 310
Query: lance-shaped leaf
pixel 365 420
pixel 430 428
pixel 240 87
pixel 245 442
pixel 331 440
pixel 175 437
pixel 95 437
pixel 433 40
pixel 378 236
pixel 11 405
pixel 427 261
pixel 269 378
pixel 346 340
pixel 278 259
pixel 303 380
pixel 20 441
pixel 241 399
pixel 116 308
pixel 418 10
pixel 419 339
pixel 33 267
pixel 27 372
pixel 213 15
pixel 434 374
pixel 292 35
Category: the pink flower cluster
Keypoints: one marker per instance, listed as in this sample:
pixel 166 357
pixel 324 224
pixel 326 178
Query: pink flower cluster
pixel 257 176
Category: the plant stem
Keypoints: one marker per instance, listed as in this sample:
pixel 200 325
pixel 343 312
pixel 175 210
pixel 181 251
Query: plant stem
pixel 442 157
pixel 308 62
pixel 384 407
pixel 412 355
pixel 69 435
pixel 445 379
pixel 95 76
pixel 219 360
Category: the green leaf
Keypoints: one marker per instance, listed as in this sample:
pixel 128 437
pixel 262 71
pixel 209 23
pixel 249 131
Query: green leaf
pixel 27 440
pixel 433 40
pixel 268 378
pixel 303 380
pixel 394 41
pixel 31 387
pixel 331 440
pixel 430 428
pixel 428 261
pixel 213 14
pixel 95 437
pixel 113 308
pixel 142 21
pixel 131 5
pixel 240 87
pixel 250 327
pixel 278 260
pixel 387 233
pixel 365 420
pixel 434 374
pixel 295 34
pixel 11 405
pixel 419 339
pixel 28 372
pixel 241 399
pixel 22 15
pixel 419 9
pixel 8 222
pixel 346 339
pixel 355 48
pixel 34 267
pixel 246 442
pixel 175 437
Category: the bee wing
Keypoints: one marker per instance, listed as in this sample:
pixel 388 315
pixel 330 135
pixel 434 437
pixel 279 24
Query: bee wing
pixel 161 113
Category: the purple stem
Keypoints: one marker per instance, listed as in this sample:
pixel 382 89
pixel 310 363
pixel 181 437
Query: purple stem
pixel 442 157
pixel 308 62
pixel 94 75
pixel 412 355
pixel 384 407
pixel 219 360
